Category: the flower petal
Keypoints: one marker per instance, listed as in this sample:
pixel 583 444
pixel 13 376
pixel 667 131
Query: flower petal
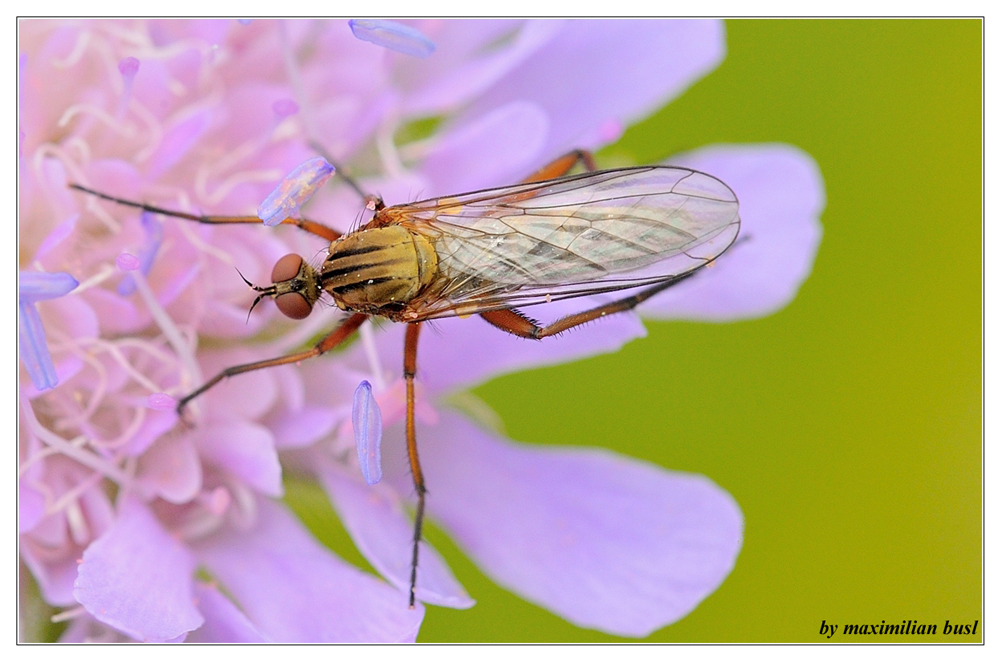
pixel 781 196
pixel 472 56
pixel 55 578
pixel 177 142
pixel 243 449
pixel 224 622
pixel 492 150
pixel 294 590
pixel 593 71
pixel 152 427
pixel 384 535
pixel 30 506
pixel 296 429
pixel 606 542
pixel 170 469
pixel 137 578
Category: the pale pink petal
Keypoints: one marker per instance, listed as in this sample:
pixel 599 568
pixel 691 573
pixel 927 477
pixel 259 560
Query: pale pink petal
pixel 171 470
pixel 152 427
pixel 593 71
pixel 85 629
pixel 138 578
pixel 471 56
pixel 490 151
pixel 296 429
pixel 294 590
pixel 383 533
pixel 246 396
pixel 30 506
pixel 57 236
pixel 606 542
pixel 781 196
pixel 224 623
pixel 177 141
pixel 117 314
pixel 54 577
pixel 245 450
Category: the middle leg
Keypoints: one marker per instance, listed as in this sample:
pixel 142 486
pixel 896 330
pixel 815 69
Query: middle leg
pixel 409 372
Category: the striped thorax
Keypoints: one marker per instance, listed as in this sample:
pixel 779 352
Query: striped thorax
pixel 378 270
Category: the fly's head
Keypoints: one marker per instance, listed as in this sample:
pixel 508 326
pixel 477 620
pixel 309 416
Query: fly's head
pixel 295 287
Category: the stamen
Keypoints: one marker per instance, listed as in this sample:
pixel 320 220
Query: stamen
pixel 154 237
pixel 295 83
pixel 294 190
pixel 71 495
pixel 367 420
pixel 128 67
pixel 71 449
pixel 124 130
pixel 95 347
pixel 77 524
pixel 68 614
pixel 394 36
pixel 82 41
pixel 173 334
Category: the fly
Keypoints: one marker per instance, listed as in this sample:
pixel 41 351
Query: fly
pixel 490 252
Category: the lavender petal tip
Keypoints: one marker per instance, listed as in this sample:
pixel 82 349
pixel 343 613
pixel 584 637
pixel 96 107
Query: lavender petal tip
pixel 294 190
pixel 37 286
pixel 367 419
pixel 32 347
pixel 392 35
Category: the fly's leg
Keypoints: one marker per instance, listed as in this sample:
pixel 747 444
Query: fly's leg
pixel 339 334
pixel 410 371
pixel 310 226
pixel 517 324
pixel 562 165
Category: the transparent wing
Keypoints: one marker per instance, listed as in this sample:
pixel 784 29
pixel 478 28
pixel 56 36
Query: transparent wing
pixel 574 236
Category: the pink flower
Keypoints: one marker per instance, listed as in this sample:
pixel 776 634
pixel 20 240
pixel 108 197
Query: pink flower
pixel 206 117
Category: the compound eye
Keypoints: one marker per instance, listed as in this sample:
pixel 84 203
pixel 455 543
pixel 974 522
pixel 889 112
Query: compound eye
pixel 287 268
pixel 293 304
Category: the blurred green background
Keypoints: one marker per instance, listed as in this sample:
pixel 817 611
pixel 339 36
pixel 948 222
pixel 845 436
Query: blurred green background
pixel 848 425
